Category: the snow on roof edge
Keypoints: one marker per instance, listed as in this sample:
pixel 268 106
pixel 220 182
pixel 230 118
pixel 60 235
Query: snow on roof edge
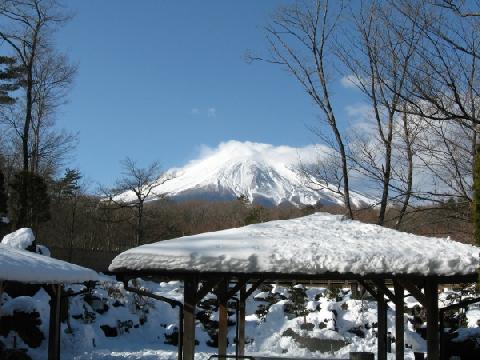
pixel 312 245
pixel 28 267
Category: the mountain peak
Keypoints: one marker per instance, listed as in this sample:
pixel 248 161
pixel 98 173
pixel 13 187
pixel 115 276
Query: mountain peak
pixel 263 173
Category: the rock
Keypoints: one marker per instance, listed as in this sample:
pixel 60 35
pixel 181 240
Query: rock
pixel 26 325
pixel 315 344
pixel 307 326
pixel 109 331
pixel 358 331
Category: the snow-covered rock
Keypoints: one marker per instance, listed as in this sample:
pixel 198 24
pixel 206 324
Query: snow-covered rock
pixel 20 239
pixel 24 304
pixel 312 244
pixel 143 332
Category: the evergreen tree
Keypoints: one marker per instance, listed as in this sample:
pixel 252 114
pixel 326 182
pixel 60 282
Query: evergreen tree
pixel 69 185
pixel 29 201
pixel 10 79
pixel 67 192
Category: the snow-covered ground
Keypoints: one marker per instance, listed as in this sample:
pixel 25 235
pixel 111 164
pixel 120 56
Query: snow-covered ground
pixel 281 321
pixel 106 322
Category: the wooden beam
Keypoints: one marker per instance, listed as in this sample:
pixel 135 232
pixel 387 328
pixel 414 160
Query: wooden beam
pixel 190 286
pixel 386 291
pixel 54 326
pixel 413 290
pixel 254 287
pixel 433 339
pixel 354 290
pixel 241 321
pixel 222 318
pixel 299 278
pixel 399 322
pixel 232 291
pixel 370 289
pixel 382 325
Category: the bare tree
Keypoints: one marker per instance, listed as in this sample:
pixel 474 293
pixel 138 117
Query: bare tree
pixel 324 174
pixel 378 53
pixel 48 148
pixel 460 7
pixel 138 185
pixel 26 26
pixel 408 139
pixel 444 84
pixel 299 37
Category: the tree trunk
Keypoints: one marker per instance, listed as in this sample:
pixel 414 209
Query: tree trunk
pixel 408 193
pixel 72 228
pixel 476 189
pixel 343 155
pixel 139 230
pixel 387 172
pixel 28 113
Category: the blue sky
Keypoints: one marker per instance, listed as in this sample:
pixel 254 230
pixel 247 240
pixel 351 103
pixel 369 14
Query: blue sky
pixel 159 79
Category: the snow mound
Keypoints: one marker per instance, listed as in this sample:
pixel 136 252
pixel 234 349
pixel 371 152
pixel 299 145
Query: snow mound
pixel 29 267
pixel 20 239
pixel 24 304
pixel 312 244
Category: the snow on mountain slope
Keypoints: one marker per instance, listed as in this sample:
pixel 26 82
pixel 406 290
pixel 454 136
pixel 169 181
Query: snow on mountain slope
pixel 263 173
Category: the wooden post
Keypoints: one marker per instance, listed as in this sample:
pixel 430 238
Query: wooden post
pixel 433 340
pixel 442 334
pixel 241 321
pixel 189 298
pixel 382 324
pixel 222 318
pixel 399 322
pixel 354 289
pixel 54 326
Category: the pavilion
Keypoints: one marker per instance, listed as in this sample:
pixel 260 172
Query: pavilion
pixel 32 268
pixel 309 250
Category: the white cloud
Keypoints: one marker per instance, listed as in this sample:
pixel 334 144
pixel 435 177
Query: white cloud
pixel 212 112
pixel 350 82
pixel 359 111
pixel 195 111
pixel 285 154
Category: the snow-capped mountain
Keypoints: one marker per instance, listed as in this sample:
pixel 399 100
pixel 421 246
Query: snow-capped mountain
pixel 263 173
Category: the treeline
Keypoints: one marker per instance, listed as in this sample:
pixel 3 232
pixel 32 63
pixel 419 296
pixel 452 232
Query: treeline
pixel 86 223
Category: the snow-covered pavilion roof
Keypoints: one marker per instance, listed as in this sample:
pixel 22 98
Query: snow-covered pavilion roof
pixel 311 245
pixel 24 266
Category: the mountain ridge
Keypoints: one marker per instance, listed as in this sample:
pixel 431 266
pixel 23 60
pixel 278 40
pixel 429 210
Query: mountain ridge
pixel 263 173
